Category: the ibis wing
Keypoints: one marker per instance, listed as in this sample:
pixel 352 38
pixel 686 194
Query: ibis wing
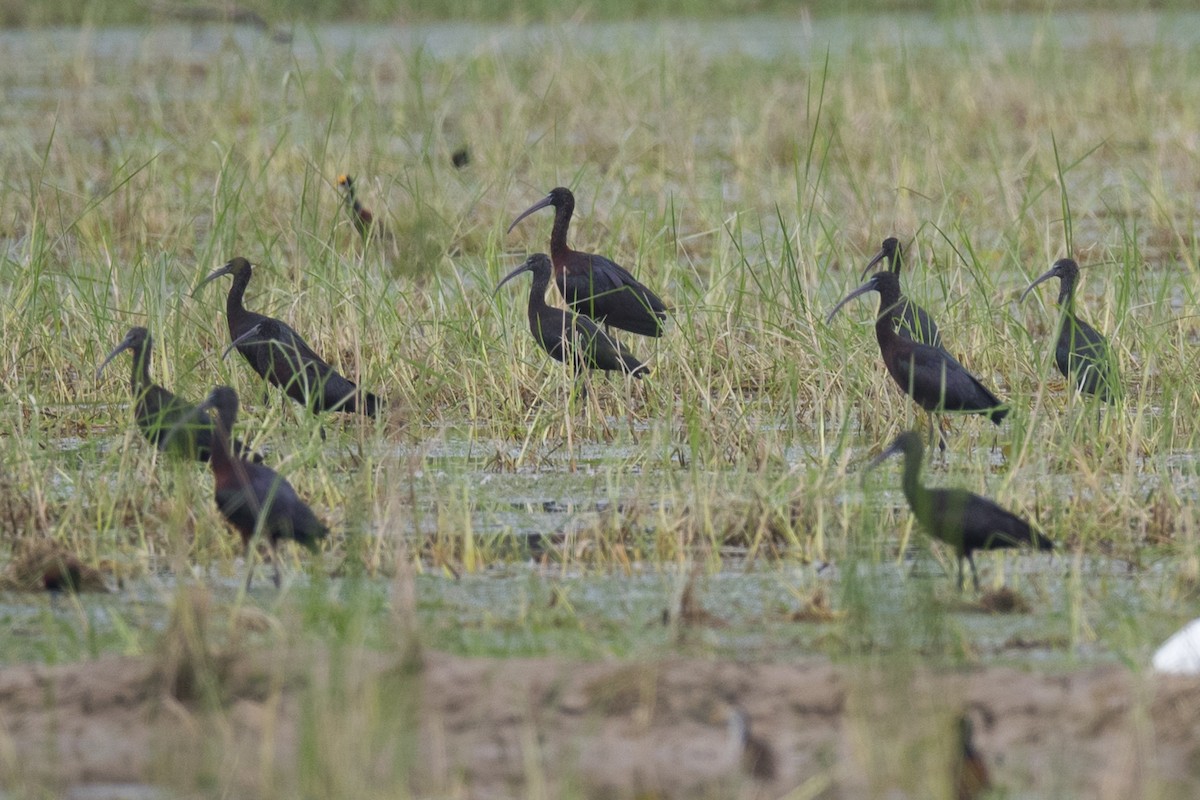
pixel 288 516
pixel 288 361
pixel 916 324
pixel 157 410
pixel 937 381
pixel 598 350
pixel 548 327
pixel 969 522
pixel 1083 355
pixel 600 288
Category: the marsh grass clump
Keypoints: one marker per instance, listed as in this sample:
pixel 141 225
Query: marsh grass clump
pixel 753 526
pixel 689 611
pixel 817 608
pixel 189 668
pixel 47 565
pixel 18 513
pixel 1004 601
pixel 635 688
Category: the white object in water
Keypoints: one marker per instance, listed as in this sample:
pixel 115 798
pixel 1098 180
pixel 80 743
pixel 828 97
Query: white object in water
pixel 1180 655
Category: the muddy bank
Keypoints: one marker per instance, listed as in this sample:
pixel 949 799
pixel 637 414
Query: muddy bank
pixel 280 723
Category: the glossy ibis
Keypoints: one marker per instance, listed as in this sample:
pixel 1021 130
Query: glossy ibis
pixel 755 755
pixel 569 336
pixel 168 422
pixel 914 321
pixel 592 285
pixel 255 499
pixel 279 354
pixel 362 218
pixel 961 519
pixel 1082 353
pixel 969 771
pixel 928 374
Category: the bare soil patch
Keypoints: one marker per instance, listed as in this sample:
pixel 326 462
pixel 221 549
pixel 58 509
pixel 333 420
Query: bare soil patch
pixel 473 727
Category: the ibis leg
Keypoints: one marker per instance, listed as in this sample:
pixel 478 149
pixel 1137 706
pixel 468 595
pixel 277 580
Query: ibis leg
pixel 249 559
pixel 275 563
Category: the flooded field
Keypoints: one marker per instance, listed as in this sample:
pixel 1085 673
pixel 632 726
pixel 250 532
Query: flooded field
pixel 531 590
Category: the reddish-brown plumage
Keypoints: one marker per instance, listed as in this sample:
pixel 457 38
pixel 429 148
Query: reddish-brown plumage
pixel 64 575
pixel 593 285
pixel 255 499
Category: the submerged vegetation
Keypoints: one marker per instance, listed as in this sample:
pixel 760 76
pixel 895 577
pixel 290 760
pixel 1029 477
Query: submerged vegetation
pixel 718 504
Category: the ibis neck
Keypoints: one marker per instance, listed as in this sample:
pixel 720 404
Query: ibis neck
pixel 890 301
pixel 894 261
pixel 558 235
pixel 139 379
pixel 537 294
pixel 885 325
pixel 222 457
pixel 912 477
pixel 1066 295
pixel 233 303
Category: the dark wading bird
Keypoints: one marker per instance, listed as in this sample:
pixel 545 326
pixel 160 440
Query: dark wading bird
pixel 756 756
pixel 255 499
pixel 969 772
pixel 171 424
pixel 279 354
pixel 961 519
pixel 567 337
pixel 1082 353
pixel 592 285
pixel 363 219
pixel 929 375
pixel 914 321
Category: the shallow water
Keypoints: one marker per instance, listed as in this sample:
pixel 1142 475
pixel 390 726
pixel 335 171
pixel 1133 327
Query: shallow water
pixel 905 603
pixel 541 592
pixel 763 37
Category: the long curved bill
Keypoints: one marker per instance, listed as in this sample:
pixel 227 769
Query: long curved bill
pixel 880 256
pixel 523 268
pixel 1051 273
pixel 125 344
pixel 212 276
pixel 866 287
pixel 538 206
pixel 892 449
